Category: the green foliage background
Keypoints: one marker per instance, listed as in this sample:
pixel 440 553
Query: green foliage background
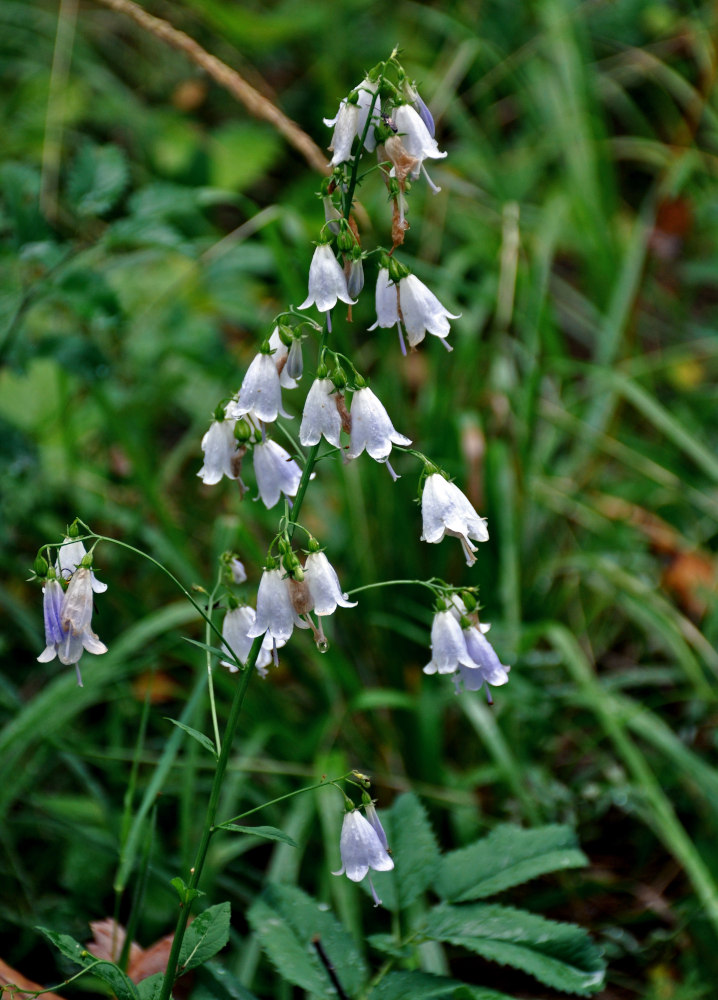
pixel 150 231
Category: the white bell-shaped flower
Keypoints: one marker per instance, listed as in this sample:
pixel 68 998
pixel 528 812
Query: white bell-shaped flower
pixel 417 140
pixel 371 427
pixel 276 472
pixel 448 645
pixel 421 311
pixel 361 849
pixel 75 620
pixel 445 510
pixel 235 632
pixel 375 823
pixel 69 556
pixel 324 587
pixel 387 301
pixel 351 120
pixel 276 615
pixel 327 281
pixel 260 393
pixel 321 416
pixel 220 449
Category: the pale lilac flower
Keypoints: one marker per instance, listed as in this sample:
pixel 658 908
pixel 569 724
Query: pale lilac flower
pixel 417 139
pixel 355 279
pixel 375 823
pixel 275 611
pixel 448 645
pixel 235 629
pixel 387 300
pixel 422 311
pixel 260 393
pixel 295 360
pixel 75 621
pixel 421 109
pixel 324 586
pixel 350 121
pixel 327 282
pixel 445 510
pixel 280 355
pixel 52 600
pixel 69 556
pixel 361 849
pixel 321 415
pixel 239 573
pixel 220 449
pixel 371 427
pixel 487 668
pixel 276 472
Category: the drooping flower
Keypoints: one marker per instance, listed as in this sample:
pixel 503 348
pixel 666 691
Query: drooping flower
pixel 220 450
pixel 361 849
pixel 445 510
pixel 321 415
pixel 411 302
pixel 448 645
pixel 235 632
pixel 324 587
pixel 351 120
pixel 375 823
pixel 414 98
pixel 486 667
pixel 236 568
pixel 422 312
pixel 371 427
pixel 276 472
pixel 327 281
pixel 260 393
pixel 75 618
pixel 52 599
pixel 69 556
pixel 276 614
pixel 417 140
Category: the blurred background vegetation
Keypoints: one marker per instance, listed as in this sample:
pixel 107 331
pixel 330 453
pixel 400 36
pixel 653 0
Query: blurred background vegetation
pixel 150 230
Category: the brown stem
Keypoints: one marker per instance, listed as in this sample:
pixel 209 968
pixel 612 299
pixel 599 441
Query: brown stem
pixel 226 77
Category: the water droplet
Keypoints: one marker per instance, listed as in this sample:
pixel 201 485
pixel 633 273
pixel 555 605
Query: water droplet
pixel 322 645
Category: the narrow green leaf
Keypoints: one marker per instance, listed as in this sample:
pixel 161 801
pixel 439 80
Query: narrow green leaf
pixel 266 832
pixel 508 856
pixel 286 921
pixel 423 986
pixel 557 954
pixel 205 936
pixel 416 856
pixel 106 972
pixel 220 984
pixel 200 737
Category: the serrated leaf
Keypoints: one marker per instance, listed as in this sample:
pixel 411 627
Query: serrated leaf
pixel 98 176
pixel 424 986
pixel 508 856
pixel 205 741
pixel 266 832
pixel 388 945
pixel 218 983
pixel 413 848
pixel 286 920
pixel 106 972
pixel 206 935
pixel 557 954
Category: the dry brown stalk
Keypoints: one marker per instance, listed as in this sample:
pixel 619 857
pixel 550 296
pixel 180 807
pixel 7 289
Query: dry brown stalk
pixel 226 77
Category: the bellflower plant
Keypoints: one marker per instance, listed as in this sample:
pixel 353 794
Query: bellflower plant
pixel 299 586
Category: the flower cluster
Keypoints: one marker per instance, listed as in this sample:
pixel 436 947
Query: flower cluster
pixel 68 612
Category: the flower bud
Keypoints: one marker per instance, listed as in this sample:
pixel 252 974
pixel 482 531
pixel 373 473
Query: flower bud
pixel 40 566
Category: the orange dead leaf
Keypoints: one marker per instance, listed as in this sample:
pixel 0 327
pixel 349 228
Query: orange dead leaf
pixel 16 983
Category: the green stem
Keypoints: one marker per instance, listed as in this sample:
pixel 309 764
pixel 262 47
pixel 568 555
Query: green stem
pixel 299 791
pixel 209 827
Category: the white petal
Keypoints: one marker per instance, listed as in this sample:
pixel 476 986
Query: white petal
pixel 371 427
pixel 275 613
pixel 324 585
pixel 448 646
pixel 276 472
pixel 261 391
pixel 321 415
pixel 327 281
pixel 219 447
pixel 387 301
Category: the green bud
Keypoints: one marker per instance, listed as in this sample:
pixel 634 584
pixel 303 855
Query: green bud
pixel 346 240
pixel 360 382
pixel 339 377
pixel 74 530
pixel 242 431
pixel 322 371
pixel 40 566
pixel 397 270
pixel 271 563
pixel 314 545
pixel 469 600
pixel 286 334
